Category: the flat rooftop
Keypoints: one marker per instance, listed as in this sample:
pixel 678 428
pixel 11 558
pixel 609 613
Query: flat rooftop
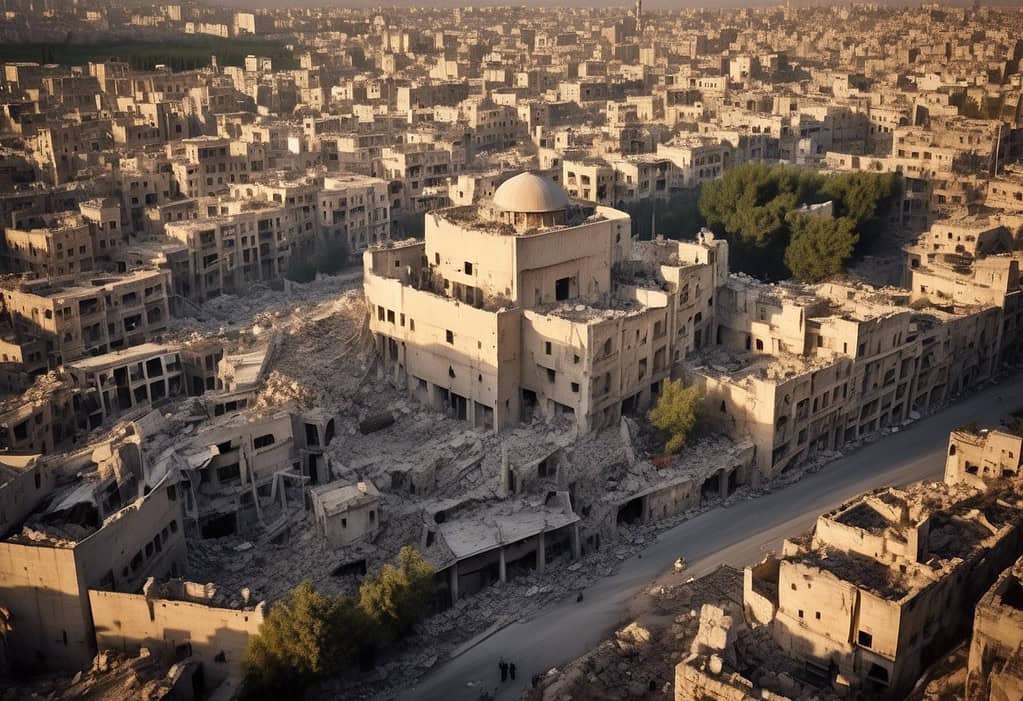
pixel 120 357
pixel 75 286
pixel 489 530
pixel 337 497
pixel 744 368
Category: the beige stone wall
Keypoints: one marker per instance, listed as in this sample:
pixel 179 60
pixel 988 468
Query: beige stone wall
pixel 570 358
pixel 22 493
pixel 480 362
pixel 997 636
pixel 215 636
pixel 45 587
pixel 352 524
pixel 448 248
pixel 41 588
pixel 988 282
pixel 739 411
pixel 673 499
pixel 977 459
pixel 875 545
pixel 805 590
pixel 144 539
pixel 760 591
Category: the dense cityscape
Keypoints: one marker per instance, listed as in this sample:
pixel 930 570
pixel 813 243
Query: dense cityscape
pixel 511 352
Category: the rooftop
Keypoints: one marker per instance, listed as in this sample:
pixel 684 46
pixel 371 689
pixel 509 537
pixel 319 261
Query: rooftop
pixel 120 357
pixel 336 498
pixel 499 526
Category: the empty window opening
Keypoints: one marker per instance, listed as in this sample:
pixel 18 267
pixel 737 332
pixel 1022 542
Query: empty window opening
pixel 562 288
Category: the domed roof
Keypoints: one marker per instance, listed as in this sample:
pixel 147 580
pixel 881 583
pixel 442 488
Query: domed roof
pixel 527 192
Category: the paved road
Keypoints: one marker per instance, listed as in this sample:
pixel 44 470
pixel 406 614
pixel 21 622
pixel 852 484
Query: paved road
pixel 738 535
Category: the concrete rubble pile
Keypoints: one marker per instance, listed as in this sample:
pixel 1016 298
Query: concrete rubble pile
pixel 113 676
pixel 636 662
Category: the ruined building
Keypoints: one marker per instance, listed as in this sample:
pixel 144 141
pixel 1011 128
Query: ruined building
pixel 864 601
pixel 110 530
pixel 995 668
pixel 807 368
pixel 979 457
pixel 528 303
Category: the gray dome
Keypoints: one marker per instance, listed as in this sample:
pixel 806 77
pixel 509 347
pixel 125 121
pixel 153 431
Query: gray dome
pixel 530 193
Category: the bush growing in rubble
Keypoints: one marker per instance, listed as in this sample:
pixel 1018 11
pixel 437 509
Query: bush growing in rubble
pixel 311 636
pixel 676 413
pixel 307 637
pixel 397 597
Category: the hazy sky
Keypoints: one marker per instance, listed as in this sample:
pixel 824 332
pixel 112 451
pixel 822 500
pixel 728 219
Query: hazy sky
pixel 651 4
pixel 647 4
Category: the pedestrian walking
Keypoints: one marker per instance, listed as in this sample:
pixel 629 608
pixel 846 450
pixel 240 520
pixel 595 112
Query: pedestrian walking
pixel 504 670
pixel 511 671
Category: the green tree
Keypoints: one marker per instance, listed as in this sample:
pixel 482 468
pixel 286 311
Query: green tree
pixel 398 596
pixel 820 246
pixel 676 413
pixel 866 198
pixel 304 638
pixel 749 205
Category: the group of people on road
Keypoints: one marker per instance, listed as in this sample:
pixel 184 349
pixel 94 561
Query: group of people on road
pixel 507 670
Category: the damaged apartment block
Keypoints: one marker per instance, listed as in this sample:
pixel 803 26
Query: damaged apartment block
pixel 862 603
pixel 236 472
pixel 109 529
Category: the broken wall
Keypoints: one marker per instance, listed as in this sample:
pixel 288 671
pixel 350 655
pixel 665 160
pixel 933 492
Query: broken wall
pixel 760 591
pixel 46 587
pixel 51 628
pixel 215 636
pixel 24 491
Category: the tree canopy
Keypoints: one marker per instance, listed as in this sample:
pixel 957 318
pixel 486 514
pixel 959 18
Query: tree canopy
pixel 680 215
pixel 398 595
pixel 865 198
pixel 310 636
pixel 751 207
pixel 676 413
pixel 306 637
pixel 820 245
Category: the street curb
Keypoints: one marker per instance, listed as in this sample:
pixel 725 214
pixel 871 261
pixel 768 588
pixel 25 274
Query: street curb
pixel 494 628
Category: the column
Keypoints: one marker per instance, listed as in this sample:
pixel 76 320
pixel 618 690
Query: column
pixel 723 484
pixel 453 582
pixel 541 550
pixel 576 550
pixel 502 566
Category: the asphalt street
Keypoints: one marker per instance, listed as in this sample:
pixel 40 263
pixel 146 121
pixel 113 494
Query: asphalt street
pixel 737 535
